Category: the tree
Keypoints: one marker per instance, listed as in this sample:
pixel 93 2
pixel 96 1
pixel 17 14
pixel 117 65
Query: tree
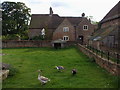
pixel 16 17
pixel 92 21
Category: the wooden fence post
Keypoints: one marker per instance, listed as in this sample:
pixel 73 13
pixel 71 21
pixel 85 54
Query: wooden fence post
pixel 108 54
pixel 101 53
pixel 117 58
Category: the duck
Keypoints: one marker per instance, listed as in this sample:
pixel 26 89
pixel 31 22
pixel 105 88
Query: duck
pixel 42 79
pixel 59 68
pixel 74 71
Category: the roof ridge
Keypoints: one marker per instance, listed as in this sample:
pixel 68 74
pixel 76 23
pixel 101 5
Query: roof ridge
pixel 114 11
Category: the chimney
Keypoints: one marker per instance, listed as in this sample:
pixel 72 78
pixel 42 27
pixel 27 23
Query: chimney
pixel 83 14
pixel 89 20
pixel 51 11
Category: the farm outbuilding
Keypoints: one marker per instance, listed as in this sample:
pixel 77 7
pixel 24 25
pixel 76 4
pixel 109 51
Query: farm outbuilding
pixel 59 43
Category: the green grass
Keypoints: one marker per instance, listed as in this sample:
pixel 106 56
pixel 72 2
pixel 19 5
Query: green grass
pixel 28 60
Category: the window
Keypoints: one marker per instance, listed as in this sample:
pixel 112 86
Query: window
pixel 85 27
pixel 65 38
pixel 65 29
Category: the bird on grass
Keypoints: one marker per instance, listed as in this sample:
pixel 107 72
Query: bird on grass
pixel 42 79
pixel 59 68
pixel 74 71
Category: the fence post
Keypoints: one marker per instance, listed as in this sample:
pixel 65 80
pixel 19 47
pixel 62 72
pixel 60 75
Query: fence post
pixel 96 51
pixel 101 53
pixel 108 54
pixel 93 49
pixel 90 47
pixel 117 58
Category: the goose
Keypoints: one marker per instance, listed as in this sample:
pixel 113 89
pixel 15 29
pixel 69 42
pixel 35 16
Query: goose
pixel 59 67
pixel 42 79
pixel 74 71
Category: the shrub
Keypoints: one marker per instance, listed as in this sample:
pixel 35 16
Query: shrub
pixel 10 37
pixel 24 37
pixel 38 38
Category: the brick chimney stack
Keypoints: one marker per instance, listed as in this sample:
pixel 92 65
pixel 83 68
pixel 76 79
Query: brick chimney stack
pixel 51 11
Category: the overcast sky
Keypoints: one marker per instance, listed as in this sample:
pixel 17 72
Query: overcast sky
pixel 96 8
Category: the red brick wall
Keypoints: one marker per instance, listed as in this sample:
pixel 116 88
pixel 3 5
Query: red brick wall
pixel 110 66
pixel 30 43
pixel 58 33
pixel 25 43
pixel 85 33
pixel 112 22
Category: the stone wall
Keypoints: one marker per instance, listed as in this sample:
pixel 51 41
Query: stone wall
pixel 25 43
pixel 110 66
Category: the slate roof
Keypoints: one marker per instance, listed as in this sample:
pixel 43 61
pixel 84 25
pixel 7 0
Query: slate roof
pixel 112 14
pixel 104 32
pixel 74 20
pixel 101 33
pixel 39 21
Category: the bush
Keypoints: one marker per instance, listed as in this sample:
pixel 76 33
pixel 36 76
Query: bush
pixel 24 37
pixel 38 38
pixel 10 37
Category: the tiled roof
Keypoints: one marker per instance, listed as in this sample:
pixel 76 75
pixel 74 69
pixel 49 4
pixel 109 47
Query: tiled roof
pixel 44 20
pixel 112 14
pixel 74 20
pixel 104 32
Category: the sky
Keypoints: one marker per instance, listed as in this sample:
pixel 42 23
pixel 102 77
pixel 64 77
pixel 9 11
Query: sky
pixel 96 8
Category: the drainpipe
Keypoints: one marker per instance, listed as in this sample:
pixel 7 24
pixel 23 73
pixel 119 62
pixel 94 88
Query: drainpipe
pixel 75 32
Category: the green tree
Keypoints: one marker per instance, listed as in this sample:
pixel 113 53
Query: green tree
pixel 92 21
pixel 16 17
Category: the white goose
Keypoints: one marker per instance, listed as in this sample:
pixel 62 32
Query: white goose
pixel 42 79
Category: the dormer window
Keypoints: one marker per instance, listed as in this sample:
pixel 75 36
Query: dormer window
pixel 65 29
pixel 85 27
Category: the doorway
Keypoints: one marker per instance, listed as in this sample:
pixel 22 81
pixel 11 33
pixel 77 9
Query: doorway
pixel 57 45
pixel 80 39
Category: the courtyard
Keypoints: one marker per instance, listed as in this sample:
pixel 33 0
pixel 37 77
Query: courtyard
pixel 27 61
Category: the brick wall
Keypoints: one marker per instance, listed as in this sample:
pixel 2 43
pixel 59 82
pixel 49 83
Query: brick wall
pixel 25 43
pixel 112 22
pixel 59 33
pixel 85 33
pixel 30 43
pixel 110 66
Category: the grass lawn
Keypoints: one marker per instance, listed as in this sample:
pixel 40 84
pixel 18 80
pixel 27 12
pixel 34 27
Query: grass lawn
pixel 28 60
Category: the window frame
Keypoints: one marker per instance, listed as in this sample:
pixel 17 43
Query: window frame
pixel 84 27
pixel 64 38
pixel 64 29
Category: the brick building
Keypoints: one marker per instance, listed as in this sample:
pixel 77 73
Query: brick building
pixel 107 37
pixel 65 28
pixel 0 21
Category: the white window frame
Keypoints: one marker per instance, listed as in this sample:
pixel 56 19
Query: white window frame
pixel 64 38
pixel 84 27
pixel 65 29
